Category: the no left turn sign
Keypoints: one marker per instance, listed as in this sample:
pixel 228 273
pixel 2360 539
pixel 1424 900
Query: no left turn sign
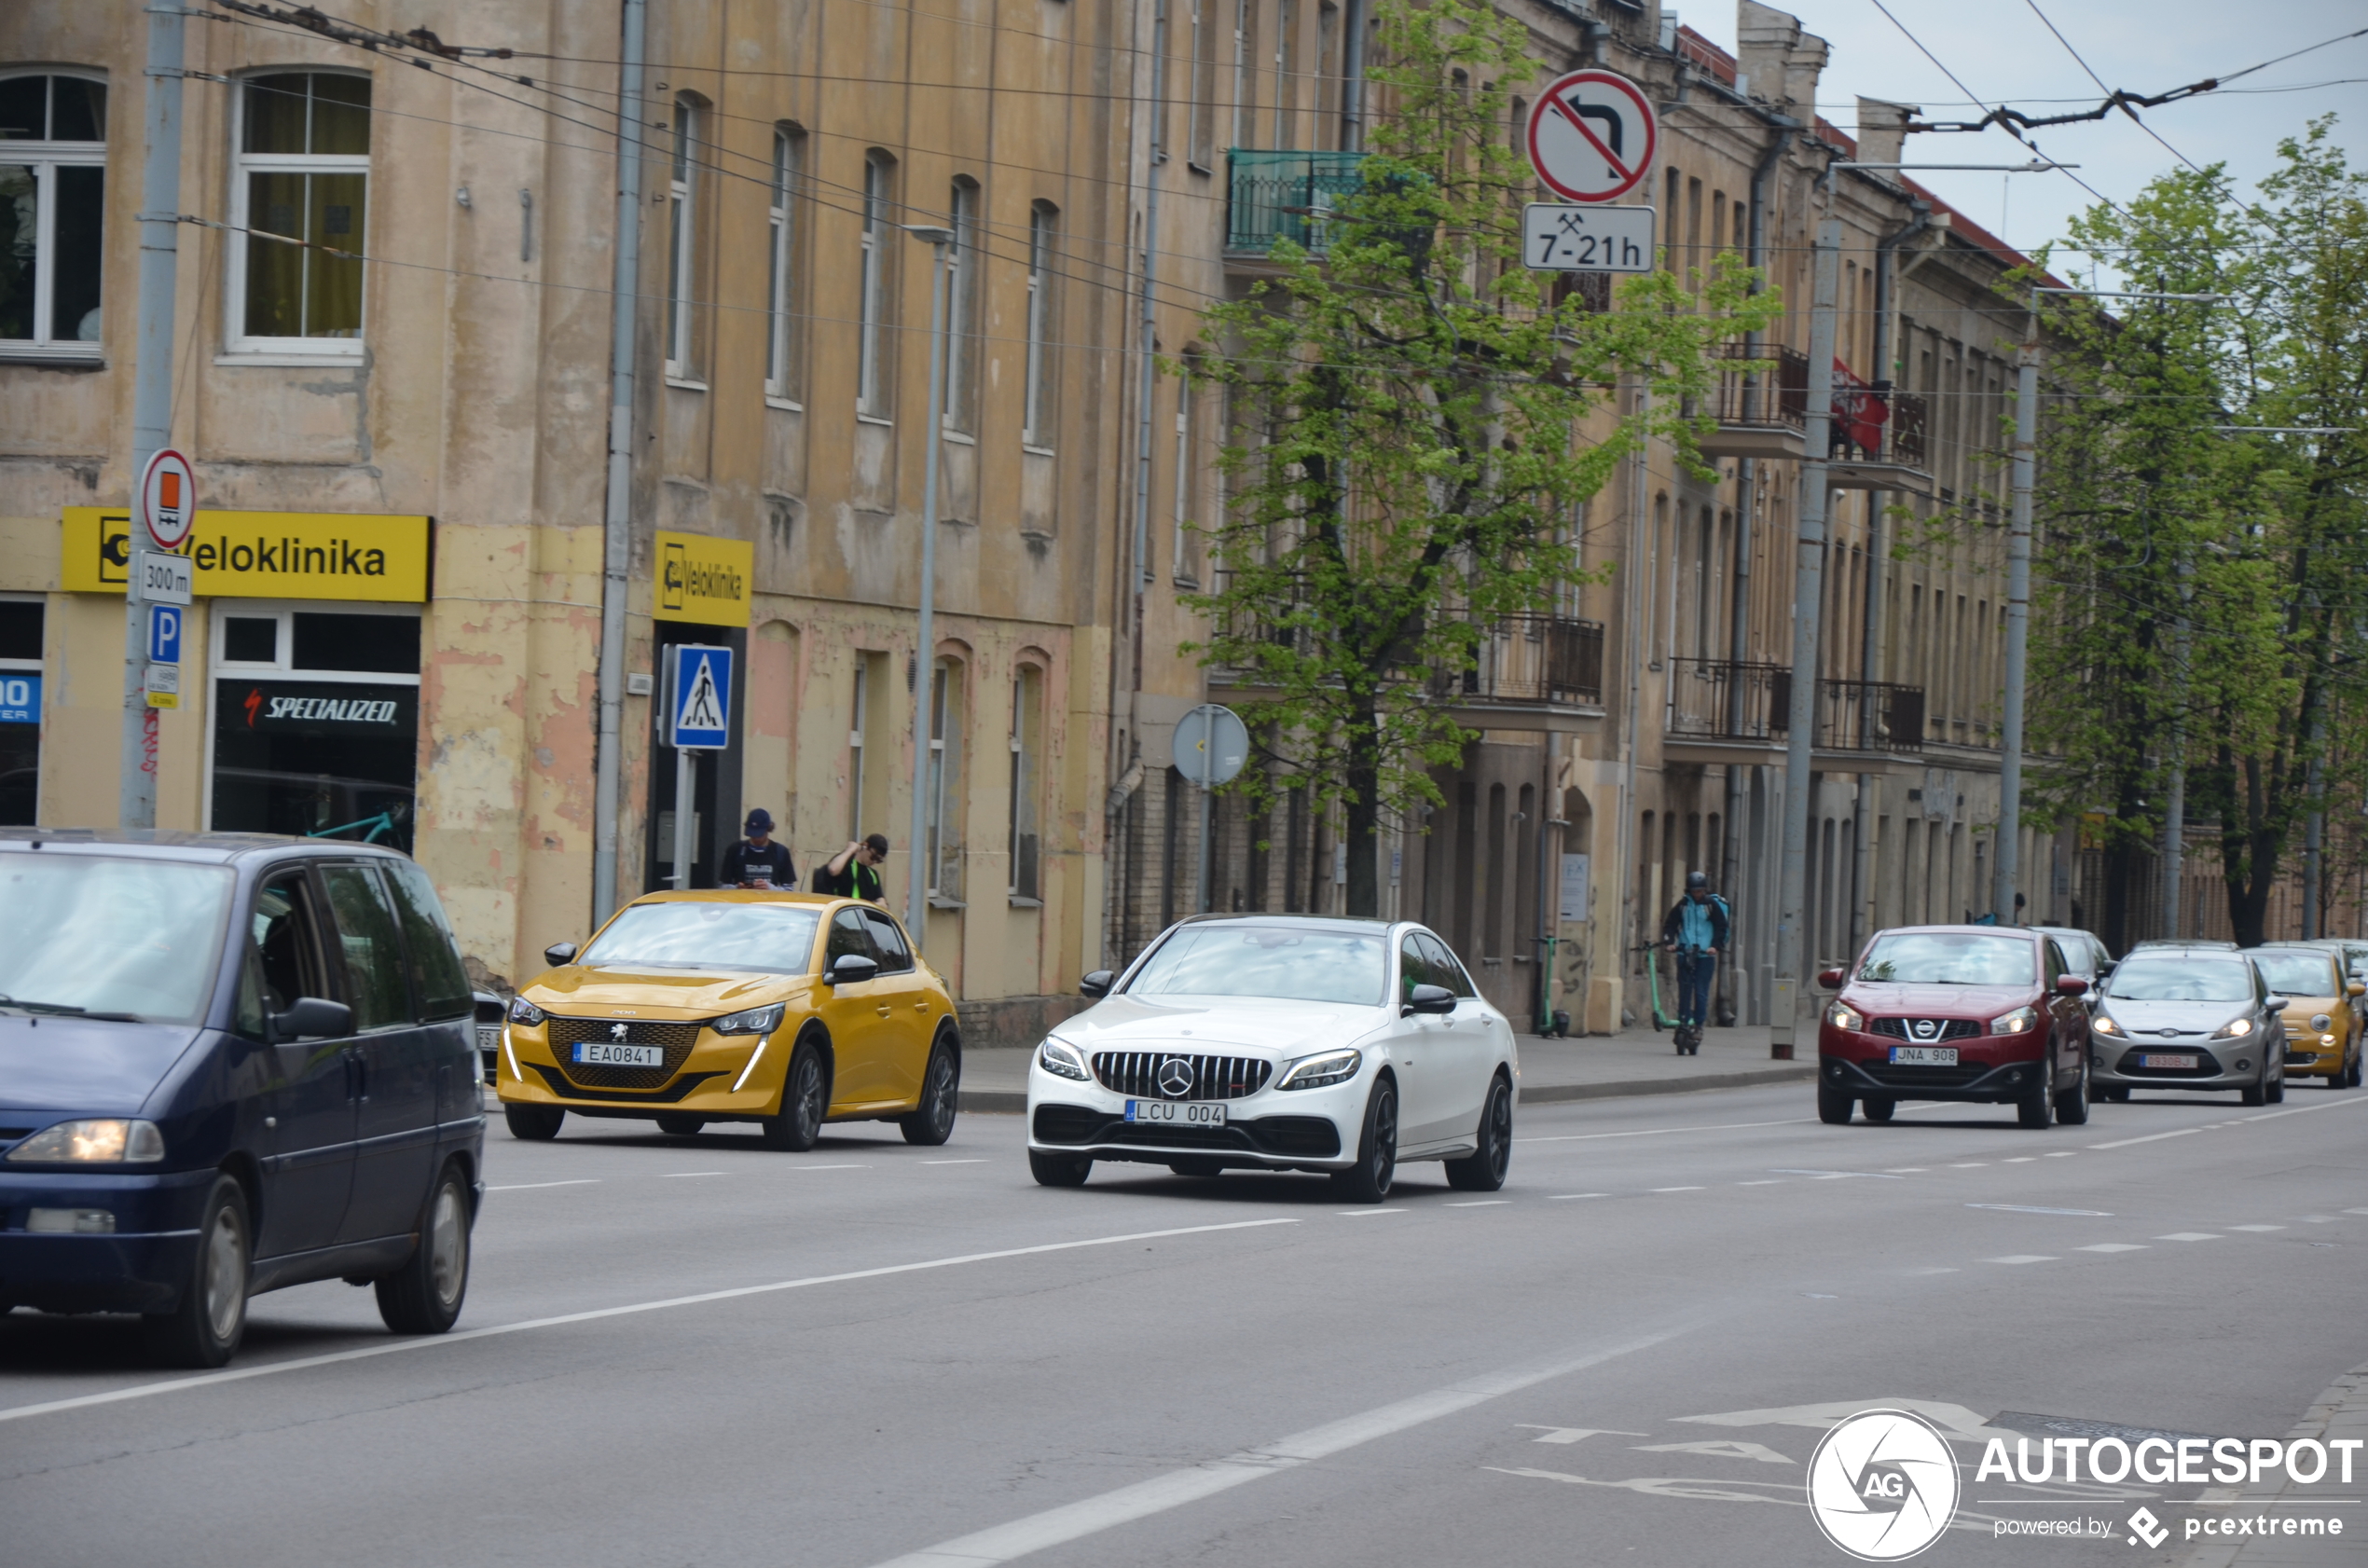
pixel 1591 135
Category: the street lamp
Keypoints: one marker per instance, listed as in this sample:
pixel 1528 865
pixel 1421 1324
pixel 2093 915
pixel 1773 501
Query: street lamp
pixel 916 901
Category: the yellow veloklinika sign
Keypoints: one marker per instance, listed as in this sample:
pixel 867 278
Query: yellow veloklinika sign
pixel 263 555
pixel 703 579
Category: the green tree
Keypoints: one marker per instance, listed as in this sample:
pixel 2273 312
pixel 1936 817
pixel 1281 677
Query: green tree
pixel 1404 450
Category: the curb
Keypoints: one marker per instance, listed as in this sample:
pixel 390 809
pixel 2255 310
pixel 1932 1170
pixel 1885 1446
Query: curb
pixel 1013 1102
pixel 2341 1409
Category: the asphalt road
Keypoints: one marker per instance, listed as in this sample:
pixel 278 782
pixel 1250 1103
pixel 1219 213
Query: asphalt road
pixel 695 1352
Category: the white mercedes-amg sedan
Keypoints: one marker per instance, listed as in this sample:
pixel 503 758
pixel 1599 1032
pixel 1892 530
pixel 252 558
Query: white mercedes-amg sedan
pixel 1290 1042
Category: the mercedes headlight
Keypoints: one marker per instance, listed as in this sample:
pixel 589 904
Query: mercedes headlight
pixel 1321 1070
pixel 1843 1016
pixel 751 1021
pixel 112 1141
pixel 1063 1060
pixel 2104 1024
pixel 524 1012
pixel 2022 1021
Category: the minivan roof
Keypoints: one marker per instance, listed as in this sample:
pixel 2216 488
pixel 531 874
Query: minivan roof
pixel 164 844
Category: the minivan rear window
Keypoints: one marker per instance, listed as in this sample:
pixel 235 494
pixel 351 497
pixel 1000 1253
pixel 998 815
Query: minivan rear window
pixel 92 933
pixel 1949 959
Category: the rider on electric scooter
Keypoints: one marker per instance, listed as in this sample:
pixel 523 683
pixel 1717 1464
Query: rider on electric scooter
pixel 1697 930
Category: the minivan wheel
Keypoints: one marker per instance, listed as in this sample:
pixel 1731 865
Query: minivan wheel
pixel 1879 1110
pixel 1369 1180
pixel 534 1123
pixel 1483 1170
pixel 1834 1104
pixel 799 1124
pixel 2072 1105
pixel 424 1296
pixel 206 1329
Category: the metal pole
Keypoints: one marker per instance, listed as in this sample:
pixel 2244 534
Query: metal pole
pixel 1200 904
pixel 2314 831
pixel 616 527
pixel 1156 155
pixel 2174 841
pixel 2010 738
pixel 1809 592
pixel 686 789
pixel 151 390
pixel 917 898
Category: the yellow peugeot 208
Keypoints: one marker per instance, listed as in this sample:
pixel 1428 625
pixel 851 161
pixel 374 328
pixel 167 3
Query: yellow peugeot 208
pixel 786 1010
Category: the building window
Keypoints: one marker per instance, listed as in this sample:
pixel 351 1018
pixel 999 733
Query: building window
pixel 1285 84
pixel 855 751
pixel 962 272
pixel 1244 71
pixel 53 187
pixel 879 232
pixel 1027 752
pixel 1200 141
pixel 681 257
pixel 303 170
pixel 781 342
pixel 1037 414
pixel 942 847
pixel 1187 477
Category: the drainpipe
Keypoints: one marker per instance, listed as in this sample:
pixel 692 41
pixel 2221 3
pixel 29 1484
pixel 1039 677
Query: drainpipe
pixel 617 522
pixel 1353 77
pixel 1870 661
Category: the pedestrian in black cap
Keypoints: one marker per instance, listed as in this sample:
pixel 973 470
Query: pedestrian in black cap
pixel 756 862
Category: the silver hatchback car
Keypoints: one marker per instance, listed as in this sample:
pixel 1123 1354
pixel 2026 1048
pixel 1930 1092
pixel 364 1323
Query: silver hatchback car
pixel 2190 1018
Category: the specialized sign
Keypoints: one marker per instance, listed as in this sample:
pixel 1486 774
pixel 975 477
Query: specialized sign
pixel 703 579
pixel 318 708
pixel 168 498
pixel 20 699
pixel 164 578
pixel 1558 238
pixel 262 555
pixel 699 680
pixel 1591 135
pixel 1211 745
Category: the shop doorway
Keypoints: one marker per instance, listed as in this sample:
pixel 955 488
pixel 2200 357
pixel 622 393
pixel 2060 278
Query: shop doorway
pixel 21 622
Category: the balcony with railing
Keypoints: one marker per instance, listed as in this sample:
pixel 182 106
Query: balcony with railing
pixel 1531 661
pixel 1742 700
pixel 1760 413
pixel 1285 195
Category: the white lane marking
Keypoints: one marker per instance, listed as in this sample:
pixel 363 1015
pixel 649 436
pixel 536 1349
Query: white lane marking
pixel 1970 1165
pixel 1091 1516
pixel 1559 1197
pixel 2189 1236
pixel 2296 1110
pixel 1573 1434
pixel 1908 1170
pixel 2355 1211
pixel 1836 1175
pixel 2026 1208
pixel 395 1347
pixel 1363 1213
pixel 2020 1258
pixel 2319 1219
pixel 1764 1181
pixel 2019 1160
pixel 1478 1203
pixel 1677 1189
pixel 1932 1271
pixel 2256 1227
pixel 2151 1137
pixel 825 1168
pixel 2062 1154
pixel 953 1161
pixel 676 1175
pixel 1655 1132
pixel 528 1185
pixel 2114 1247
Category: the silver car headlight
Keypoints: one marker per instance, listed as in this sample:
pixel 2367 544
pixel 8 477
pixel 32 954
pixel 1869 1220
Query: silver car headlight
pixel 1063 1060
pixel 2103 1024
pixel 2236 1028
pixel 112 1141
pixel 751 1021
pixel 1321 1070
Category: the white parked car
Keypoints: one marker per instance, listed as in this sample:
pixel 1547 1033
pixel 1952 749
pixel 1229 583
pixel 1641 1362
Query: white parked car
pixel 1280 1042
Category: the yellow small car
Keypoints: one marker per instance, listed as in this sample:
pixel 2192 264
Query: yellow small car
pixel 2323 1013
pixel 787 1010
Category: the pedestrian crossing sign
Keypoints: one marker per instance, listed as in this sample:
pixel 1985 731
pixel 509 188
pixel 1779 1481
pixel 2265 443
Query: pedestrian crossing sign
pixel 699 682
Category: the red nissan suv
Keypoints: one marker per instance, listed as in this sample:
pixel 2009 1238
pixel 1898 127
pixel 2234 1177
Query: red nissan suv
pixel 1987 1013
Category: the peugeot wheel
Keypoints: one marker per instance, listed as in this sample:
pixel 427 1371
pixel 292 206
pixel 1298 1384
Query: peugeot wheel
pixel 205 1329
pixel 1369 1180
pixel 1485 1170
pixel 932 1122
pixel 798 1124
pixel 679 1126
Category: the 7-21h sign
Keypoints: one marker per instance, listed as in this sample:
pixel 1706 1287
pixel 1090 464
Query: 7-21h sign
pixel 1557 238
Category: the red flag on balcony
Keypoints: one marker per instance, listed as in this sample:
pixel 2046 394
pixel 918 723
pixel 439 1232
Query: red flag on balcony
pixel 1859 410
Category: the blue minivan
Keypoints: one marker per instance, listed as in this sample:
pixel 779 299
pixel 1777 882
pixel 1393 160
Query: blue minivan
pixel 231 1063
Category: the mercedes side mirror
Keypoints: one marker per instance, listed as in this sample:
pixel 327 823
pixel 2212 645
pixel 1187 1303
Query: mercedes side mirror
pixel 2071 986
pixel 560 953
pixel 1829 980
pixel 314 1017
pixel 849 968
pixel 1099 983
pixel 1428 999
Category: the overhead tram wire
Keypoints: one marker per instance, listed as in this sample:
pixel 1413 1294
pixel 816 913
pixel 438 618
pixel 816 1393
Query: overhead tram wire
pixel 2122 100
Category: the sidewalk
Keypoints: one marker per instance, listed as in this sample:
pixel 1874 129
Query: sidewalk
pixel 1599 1067
pixel 2342 1412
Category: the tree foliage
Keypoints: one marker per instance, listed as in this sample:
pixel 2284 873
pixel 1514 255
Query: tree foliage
pixel 1404 449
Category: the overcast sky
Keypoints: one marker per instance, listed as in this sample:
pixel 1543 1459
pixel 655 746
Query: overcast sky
pixel 2003 51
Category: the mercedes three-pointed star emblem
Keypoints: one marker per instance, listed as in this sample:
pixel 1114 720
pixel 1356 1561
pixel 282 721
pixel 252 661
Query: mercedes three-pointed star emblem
pixel 1176 1077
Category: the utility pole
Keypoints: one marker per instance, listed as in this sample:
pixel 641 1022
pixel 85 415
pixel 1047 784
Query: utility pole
pixel 151 391
pixel 1808 587
pixel 2010 707
pixel 616 527
pixel 916 897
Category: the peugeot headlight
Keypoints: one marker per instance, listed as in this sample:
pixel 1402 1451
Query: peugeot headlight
pixel 1842 1016
pixel 1318 1071
pixel 2236 1028
pixel 1063 1060
pixel 753 1021
pixel 112 1141
pixel 2022 1021
pixel 524 1012
pixel 2320 1023
pixel 2103 1024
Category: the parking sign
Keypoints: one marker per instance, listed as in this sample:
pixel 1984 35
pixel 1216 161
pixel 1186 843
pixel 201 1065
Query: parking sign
pixel 699 680
pixel 165 633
